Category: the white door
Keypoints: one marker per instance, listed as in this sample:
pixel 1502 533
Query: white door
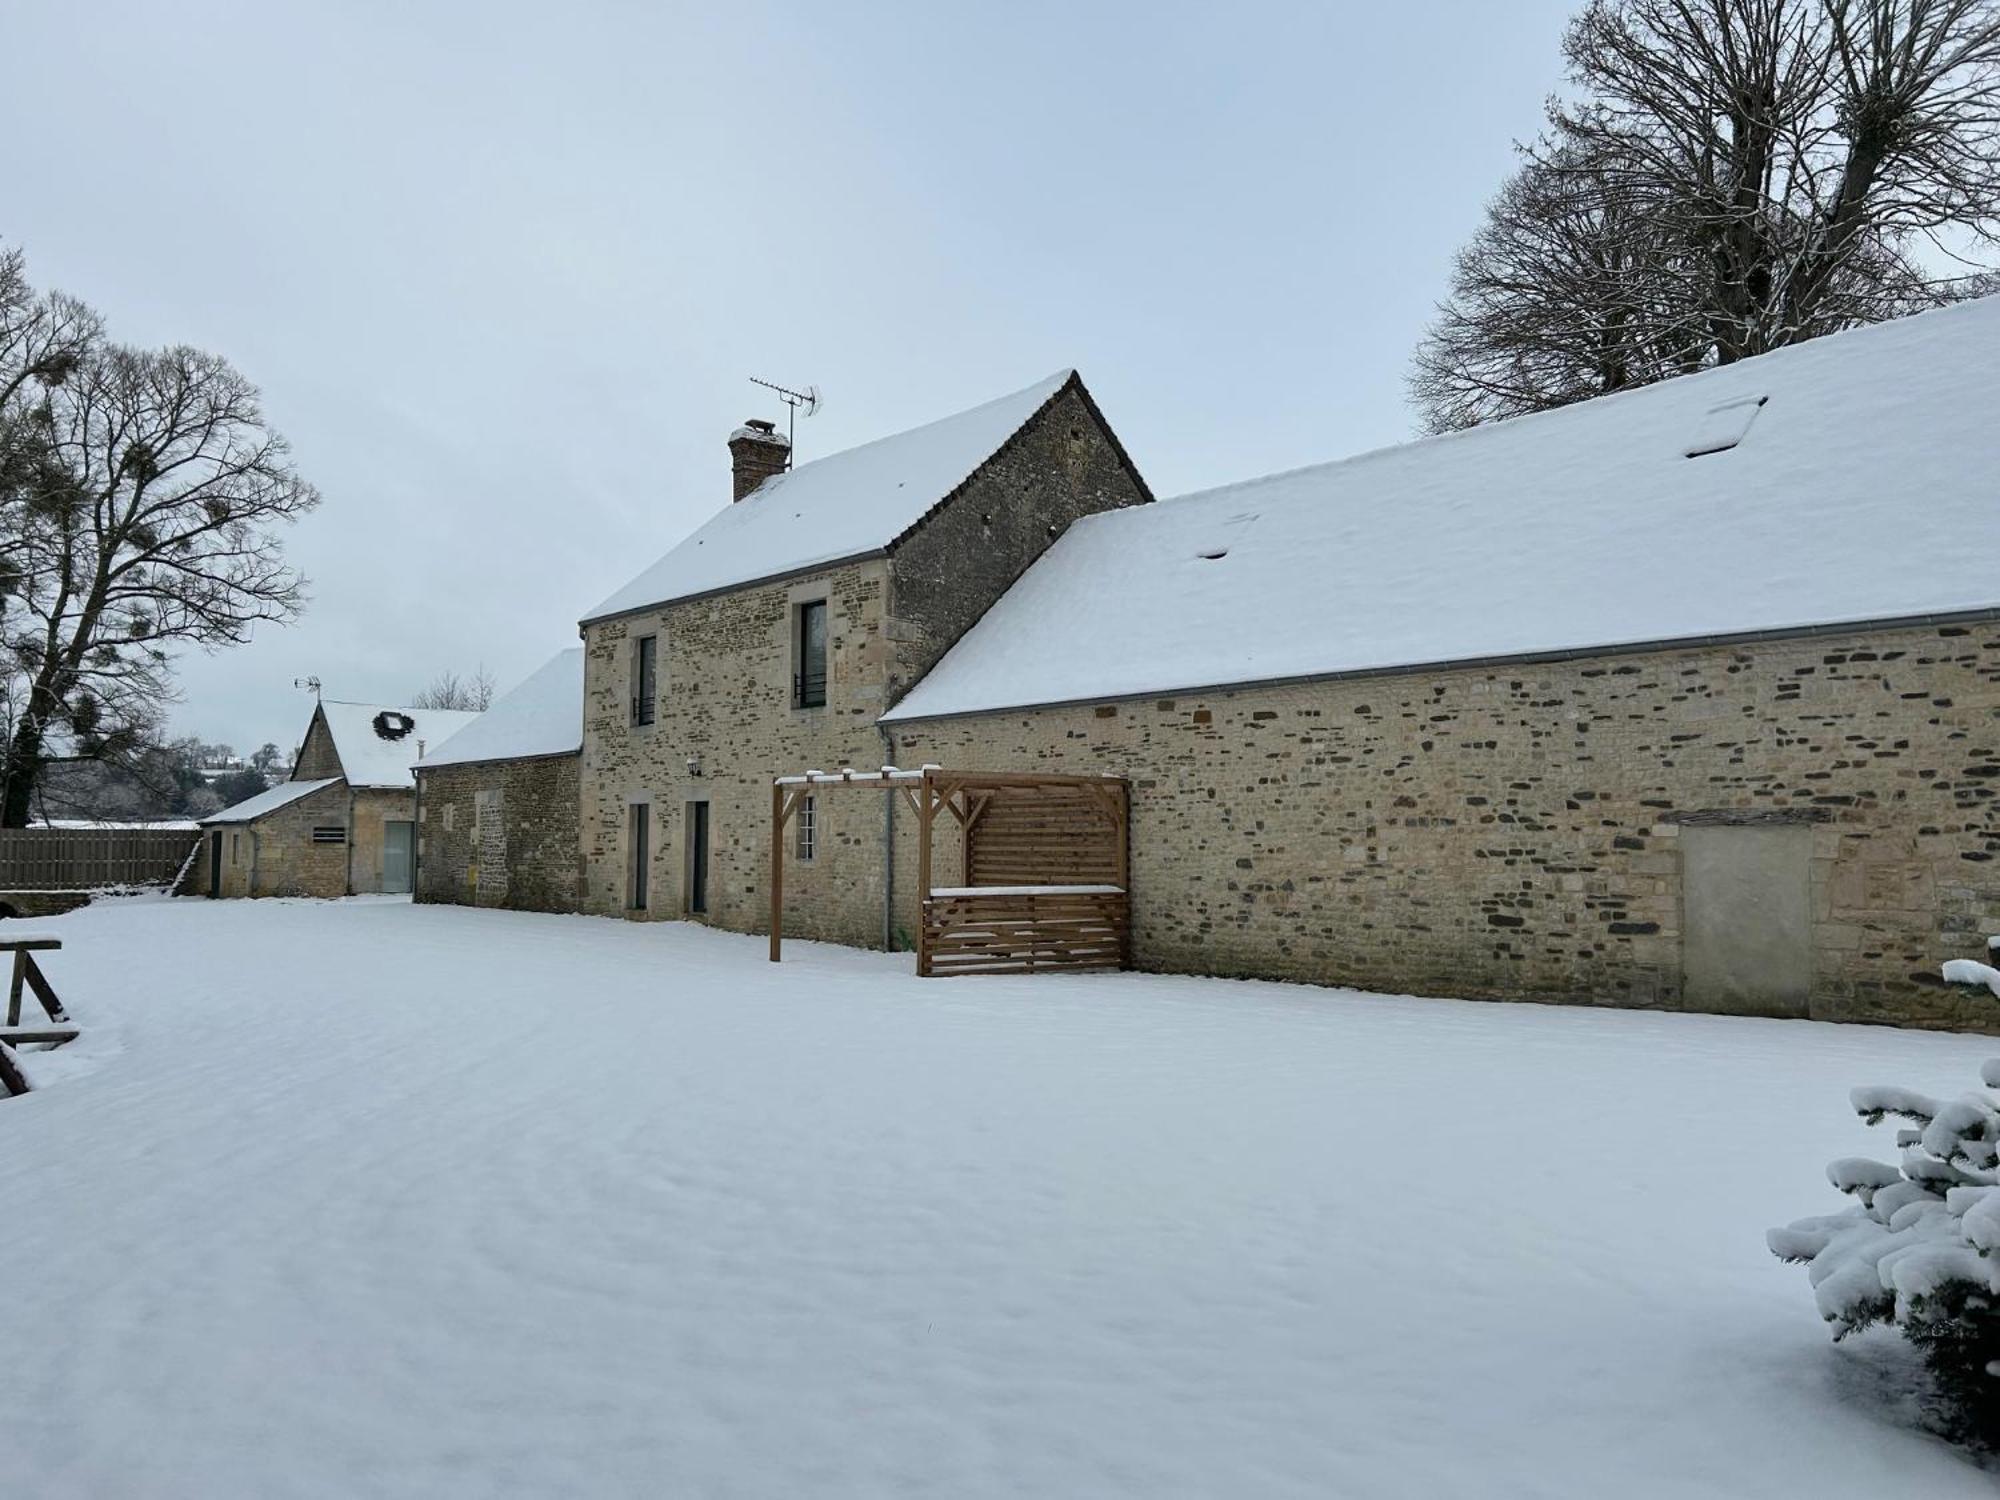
pixel 398 845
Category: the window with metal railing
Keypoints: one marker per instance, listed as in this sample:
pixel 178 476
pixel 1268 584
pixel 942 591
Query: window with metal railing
pixel 645 679
pixel 809 655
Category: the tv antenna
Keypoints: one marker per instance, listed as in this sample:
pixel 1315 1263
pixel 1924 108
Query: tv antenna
pixel 807 398
pixel 310 684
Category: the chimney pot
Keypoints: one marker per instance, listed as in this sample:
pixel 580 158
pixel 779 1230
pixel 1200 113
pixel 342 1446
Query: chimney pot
pixel 757 450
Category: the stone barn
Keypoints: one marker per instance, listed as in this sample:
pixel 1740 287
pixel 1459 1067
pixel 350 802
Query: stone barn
pixel 1686 697
pixel 497 802
pixel 345 821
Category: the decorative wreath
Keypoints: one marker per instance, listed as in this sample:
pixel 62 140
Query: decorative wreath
pixel 391 725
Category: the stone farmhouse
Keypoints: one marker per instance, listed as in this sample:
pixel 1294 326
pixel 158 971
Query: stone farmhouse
pixel 1687 697
pixel 343 824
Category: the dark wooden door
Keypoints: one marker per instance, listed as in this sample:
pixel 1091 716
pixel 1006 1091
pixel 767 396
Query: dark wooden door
pixel 697 856
pixel 215 864
pixel 642 855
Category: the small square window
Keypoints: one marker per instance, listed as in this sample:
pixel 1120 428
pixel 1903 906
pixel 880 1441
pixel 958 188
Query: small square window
pixel 329 834
pixel 808 819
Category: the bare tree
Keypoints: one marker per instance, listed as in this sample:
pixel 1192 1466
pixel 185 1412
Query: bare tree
pixel 449 690
pixel 1796 167
pixel 144 521
pixel 42 338
pixel 1575 286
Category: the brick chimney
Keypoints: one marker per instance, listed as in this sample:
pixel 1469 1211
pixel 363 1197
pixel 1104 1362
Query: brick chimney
pixel 756 452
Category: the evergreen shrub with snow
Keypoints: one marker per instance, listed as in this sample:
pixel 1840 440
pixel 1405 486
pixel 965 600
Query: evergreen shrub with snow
pixel 1921 1249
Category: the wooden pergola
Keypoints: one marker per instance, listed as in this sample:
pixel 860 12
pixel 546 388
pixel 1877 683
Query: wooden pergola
pixel 1047 865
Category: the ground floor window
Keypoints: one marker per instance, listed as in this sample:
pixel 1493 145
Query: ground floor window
pixel 330 834
pixel 808 821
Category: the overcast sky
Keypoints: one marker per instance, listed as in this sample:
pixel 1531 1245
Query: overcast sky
pixel 501 269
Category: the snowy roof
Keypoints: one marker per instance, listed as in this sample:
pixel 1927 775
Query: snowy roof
pixel 377 744
pixel 252 808
pixel 543 716
pixel 1865 486
pixel 846 505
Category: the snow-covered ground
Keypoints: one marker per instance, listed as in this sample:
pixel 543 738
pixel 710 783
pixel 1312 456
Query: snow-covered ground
pixel 360 1199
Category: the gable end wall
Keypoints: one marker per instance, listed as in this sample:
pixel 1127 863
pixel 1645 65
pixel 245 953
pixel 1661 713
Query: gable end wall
pixel 953 565
pixel 317 759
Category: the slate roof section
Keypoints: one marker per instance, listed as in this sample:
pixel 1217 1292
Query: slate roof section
pixel 858 503
pixel 372 757
pixel 543 716
pixel 1865 488
pixel 282 795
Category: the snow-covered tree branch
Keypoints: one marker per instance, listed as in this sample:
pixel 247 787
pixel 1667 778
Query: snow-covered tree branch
pixel 1921 1248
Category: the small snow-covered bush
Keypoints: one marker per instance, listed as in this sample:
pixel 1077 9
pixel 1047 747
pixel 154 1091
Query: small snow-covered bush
pixel 1921 1249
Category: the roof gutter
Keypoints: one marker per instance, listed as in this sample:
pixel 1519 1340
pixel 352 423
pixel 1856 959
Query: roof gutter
pixel 1472 663
pixel 731 588
pixel 497 760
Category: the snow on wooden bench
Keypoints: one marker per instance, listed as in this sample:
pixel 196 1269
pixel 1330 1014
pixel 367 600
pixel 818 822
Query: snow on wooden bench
pixel 29 974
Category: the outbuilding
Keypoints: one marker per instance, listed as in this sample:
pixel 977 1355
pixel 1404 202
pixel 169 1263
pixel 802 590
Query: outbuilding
pixel 497 803
pixel 344 823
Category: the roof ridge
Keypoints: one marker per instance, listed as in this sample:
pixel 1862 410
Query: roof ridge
pixel 1055 382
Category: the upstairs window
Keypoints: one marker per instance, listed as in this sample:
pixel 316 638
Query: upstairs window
pixel 809 656
pixel 645 678
pixel 328 833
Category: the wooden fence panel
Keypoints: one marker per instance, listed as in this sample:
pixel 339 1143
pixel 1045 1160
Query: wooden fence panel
pixel 85 859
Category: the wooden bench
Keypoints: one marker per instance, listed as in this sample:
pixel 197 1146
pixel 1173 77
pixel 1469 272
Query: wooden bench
pixel 28 974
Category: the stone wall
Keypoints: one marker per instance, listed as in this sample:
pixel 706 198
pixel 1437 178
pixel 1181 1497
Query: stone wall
pixel 30 905
pixel 1513 831
pixel 502 833
pixel 725 726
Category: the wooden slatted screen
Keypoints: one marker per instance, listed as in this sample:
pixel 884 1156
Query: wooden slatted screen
pixel 1043 836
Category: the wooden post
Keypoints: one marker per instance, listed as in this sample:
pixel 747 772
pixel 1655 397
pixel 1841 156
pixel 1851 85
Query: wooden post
pixel 1122 820
pixel 11 1081
pixel 14 989
pixel 925 808
pixel 38 982
pixel 777 869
